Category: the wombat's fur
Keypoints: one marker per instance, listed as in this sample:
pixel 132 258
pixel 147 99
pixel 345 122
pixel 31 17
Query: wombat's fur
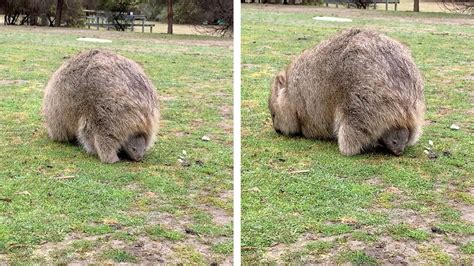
pixel 105 101
pixel 355 87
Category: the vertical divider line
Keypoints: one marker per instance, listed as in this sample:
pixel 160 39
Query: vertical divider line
pixel 237 135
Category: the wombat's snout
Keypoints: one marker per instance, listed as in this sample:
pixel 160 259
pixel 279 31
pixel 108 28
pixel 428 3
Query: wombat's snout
pixel 397 152
pixel 136 158
pixel 278 131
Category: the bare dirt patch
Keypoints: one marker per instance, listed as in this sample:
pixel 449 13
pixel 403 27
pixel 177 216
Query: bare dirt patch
pixel 219 216
pixel 390 251
pixel 12 82
pixel 278 250
pixel 118 36
pixel 467 212
pixel 225 112
pixel 144 249
pixel 362 14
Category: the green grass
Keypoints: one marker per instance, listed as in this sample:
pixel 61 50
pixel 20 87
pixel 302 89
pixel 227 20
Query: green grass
pixel 157 232
pixel 223 247
pixel 468 248
pixel 119 256
pixel 339 197
pixel 193 76
pixel 357 258
pixel 319 247
pixel 403 231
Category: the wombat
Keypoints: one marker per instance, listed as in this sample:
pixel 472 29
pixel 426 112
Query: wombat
pixel 105 101
pixel 354 87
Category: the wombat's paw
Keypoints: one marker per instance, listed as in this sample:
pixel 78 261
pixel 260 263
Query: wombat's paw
pixel 348 144
pixel 110 159
pixel 348 150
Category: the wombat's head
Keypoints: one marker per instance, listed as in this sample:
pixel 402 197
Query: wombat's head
pixel 395 140
pixel 135 147
pixel 283 114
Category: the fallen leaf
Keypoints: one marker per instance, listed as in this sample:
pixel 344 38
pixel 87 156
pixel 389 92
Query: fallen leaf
pixel 110 221
pixel 348 220
pixel 150 194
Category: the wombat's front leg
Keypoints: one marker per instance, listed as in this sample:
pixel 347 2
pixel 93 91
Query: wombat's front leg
pixel 107 148
pixel 87 142
pixel 349 142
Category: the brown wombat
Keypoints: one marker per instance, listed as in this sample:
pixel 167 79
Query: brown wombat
pixel 355 87
pixel 105 101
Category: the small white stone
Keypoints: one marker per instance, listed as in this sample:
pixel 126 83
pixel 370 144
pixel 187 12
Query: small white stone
pixel 206 138
pixel 426 151
pixel 430 142
pixel 184 152
pixel 454 127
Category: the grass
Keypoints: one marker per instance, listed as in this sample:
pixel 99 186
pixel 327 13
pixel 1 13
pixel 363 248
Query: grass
pixel 407 5
pixel 119 256
pixel 361 199
pixel 157 232
pixel 357 258
pixel 403 231
pixel 51 192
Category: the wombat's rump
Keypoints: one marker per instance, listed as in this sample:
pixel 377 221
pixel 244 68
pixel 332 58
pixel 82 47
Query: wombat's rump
pixel 355 87
pixel 105 101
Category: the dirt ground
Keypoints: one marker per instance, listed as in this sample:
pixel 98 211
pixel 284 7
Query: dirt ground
pixel 357 13
pixel 116 35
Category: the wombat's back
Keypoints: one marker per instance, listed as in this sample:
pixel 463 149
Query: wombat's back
pixel 98 93
pixel 357 84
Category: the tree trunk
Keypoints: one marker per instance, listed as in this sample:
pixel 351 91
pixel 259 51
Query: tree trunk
pixel 416 6
pixel 170 16
pixel 59 12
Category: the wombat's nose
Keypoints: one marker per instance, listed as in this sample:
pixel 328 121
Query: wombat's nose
pixel 398 152
pixel 278 131
pixel 137 159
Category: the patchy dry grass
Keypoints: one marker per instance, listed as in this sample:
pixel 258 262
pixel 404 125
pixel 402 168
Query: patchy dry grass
pixel 59 204
pixel 367 209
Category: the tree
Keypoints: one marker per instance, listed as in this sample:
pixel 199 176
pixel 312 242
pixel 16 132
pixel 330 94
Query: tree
pixel 170 16
pixel 49 12
pixel 218 16
pixel 416 6
pixel 463 6
pixel 59 13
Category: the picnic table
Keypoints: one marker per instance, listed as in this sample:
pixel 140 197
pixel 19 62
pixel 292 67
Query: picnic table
pixel 118 21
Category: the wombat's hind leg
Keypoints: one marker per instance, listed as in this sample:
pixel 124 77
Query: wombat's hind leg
pixel 107 148
pixel 348 141
pixel 60 134
pixel 415 134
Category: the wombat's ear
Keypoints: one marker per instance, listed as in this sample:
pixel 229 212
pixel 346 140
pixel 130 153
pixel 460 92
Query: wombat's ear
pixel 280 80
